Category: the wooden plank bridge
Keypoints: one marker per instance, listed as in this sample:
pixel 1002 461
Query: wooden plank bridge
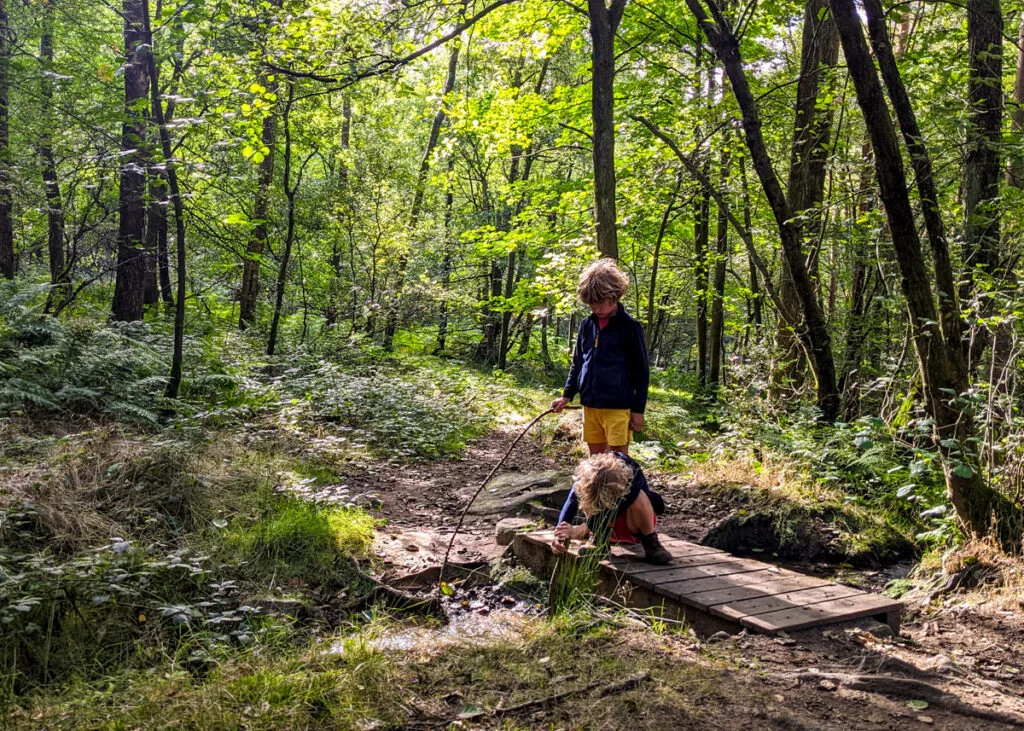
pixel 715 590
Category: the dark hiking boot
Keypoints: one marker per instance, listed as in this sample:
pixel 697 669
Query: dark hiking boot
pixel 654 552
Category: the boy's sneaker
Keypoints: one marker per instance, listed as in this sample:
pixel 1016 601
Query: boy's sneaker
pixel 654 552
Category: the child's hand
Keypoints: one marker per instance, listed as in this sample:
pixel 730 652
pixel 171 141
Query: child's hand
pixel 559 403
pixel 636 421
pixel 559 545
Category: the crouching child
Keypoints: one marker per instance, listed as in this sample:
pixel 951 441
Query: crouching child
pixel 612 492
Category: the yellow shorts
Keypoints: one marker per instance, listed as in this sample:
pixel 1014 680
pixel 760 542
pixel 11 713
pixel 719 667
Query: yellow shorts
pixel 606 426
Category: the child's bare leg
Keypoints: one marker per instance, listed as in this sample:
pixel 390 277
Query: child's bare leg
pixel 640 521
pixel 597 447
pixel 640 516
pixel 624 449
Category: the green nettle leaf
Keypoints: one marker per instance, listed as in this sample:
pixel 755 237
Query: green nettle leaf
pixel 863 443
pixel 906 490
pixel 918 705
pixel 220 523
pixel 964 471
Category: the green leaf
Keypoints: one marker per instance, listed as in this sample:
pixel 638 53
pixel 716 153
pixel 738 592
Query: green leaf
pixel 963 471
pixel 918 705
pixel 446 588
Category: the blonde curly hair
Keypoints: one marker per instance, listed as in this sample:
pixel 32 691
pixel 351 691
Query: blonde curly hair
pixel 602 281
pixel 601 481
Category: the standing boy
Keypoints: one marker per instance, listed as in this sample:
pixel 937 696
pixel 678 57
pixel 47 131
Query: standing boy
pixel 609 366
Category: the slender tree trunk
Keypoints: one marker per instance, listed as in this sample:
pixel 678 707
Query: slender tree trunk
pixel 417 202
pixel 6 194
pixel 59 276
pixel 334 304
pixel 156 226
pixel 130 281
pixel 545 353
pixel 717 346
pixel 861 277
pixel 812 330
pixel 178 354
pixel 506 314
pixel 656 259
pixel 754 316
pixel 604 21
pixel 982 168
pixel 1015 168
pixel 257 244
pixel 808 162
pixel 978 506
pixel 289 238
pixel 446 262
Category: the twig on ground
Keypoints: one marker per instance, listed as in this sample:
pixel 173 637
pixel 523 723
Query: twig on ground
pixel 619 686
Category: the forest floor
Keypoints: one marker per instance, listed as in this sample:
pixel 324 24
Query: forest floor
pixel 223 507
pixel 955 665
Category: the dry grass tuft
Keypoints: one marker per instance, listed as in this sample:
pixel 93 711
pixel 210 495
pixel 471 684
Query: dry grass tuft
pixel 769 474
pixel 97 485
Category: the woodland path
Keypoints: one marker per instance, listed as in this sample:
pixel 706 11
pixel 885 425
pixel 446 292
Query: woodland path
pixel 964 661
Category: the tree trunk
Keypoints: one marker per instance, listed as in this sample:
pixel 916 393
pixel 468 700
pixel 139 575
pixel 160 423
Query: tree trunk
pixel 812 330
pixel 178 350
pixel 701 245
pixel 861 285
pixel 978 506
pixel 156 227
pixel 949 313
pixel 1015 168
pixel 604 21
pixel 257 244
pixel 717 346
pixel 59 275
pixel 656 257
pixel 754 316
pixel 6 194
pixel 545 353
pixel 982 166
pixel 446 263
pixel 808 162
pixel 417 201
pixel 131 261
pixel 289 192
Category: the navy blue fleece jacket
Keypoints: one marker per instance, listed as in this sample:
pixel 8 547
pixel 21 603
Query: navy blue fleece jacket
pixel 609 367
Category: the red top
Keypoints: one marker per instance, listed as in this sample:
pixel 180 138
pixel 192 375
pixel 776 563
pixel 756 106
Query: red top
pixel 602 321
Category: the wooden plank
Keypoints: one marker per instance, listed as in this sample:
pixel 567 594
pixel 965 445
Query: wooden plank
pixel 776 585
pixel 764 604
pixel 675 583
pixel 634 566
pixel 836 610
pixel 696 586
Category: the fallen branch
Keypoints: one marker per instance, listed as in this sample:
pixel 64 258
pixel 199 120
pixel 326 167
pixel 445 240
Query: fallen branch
pixel 910 689
pixel 619 686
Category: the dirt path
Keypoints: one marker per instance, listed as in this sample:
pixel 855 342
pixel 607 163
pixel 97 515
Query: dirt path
pixel 963 663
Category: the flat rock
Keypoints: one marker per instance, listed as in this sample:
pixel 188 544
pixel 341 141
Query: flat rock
pixel 506 529
pixel 509 493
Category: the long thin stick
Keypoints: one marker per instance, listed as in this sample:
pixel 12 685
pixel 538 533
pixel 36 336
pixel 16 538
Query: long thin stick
pixel 483 484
